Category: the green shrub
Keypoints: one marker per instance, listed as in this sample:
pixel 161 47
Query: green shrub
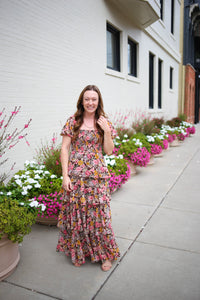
pixel 158 122
pixel 145 126
pixel 49 155
pixel 15 219
pixel 143 140
pixel 174 122
pixel 183 117
pixel 127 147
pixel 121 131
pixel 120 166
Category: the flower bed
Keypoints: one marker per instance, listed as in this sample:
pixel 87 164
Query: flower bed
pixel 35 187
pixel 51 203
pixel 119 170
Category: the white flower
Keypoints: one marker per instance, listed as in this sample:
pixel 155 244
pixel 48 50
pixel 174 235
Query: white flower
pixel 61 177
pixel 150 138
pixel 27 172
pixel 24 192
pixel 1 193
pixel 160 136
pixel 38 171
pixel 43 207
pixel 121 156
pixel 34 203
pixel 112 162
pixel 31 180
pixel 53 176
pixel 42 167
pixel 37 176
pixel 126 135
pixel 27 162
pixel 19 182
pixel 22 203
pixel 9 193
pixel 16 176
pixel 29 187
pixel 37 185
pixel 46 172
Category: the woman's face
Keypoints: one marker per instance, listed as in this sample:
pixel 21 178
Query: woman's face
pixel 90 101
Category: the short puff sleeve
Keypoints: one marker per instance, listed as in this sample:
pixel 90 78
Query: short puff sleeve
pixel 68 128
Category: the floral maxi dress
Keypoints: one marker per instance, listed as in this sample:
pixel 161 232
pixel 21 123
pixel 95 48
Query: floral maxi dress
pixel 85 217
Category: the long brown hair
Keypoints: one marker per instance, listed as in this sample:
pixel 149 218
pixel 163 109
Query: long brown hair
pixel 80 111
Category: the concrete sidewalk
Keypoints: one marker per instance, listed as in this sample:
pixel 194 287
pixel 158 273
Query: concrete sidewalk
pixel 156 219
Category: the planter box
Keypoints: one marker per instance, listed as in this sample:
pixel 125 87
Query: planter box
pixel 47 221
pixel 9 257
pixel 175 143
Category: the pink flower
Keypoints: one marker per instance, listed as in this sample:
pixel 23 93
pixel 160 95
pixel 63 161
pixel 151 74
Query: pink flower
pixel 87 173
pixel 156 149
pixel 26 125
pixel 20 137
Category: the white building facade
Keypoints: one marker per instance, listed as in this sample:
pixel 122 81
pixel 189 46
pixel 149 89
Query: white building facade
pixel 50 50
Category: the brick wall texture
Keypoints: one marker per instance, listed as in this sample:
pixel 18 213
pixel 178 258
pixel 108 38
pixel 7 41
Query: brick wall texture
pixel 189 107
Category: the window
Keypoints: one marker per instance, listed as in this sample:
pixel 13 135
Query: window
pixel 161 9
pixel 172 16
pixel 113 48
pixel 159 83
pixel 151 80
pixel 171 71
pixel 132 58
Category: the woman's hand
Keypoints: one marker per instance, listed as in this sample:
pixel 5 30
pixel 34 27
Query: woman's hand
pixel 66 184
pixel 103 123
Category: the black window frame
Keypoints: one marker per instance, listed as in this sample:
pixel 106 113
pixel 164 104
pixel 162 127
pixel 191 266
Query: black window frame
pixel 116 53
pixel 172 16
pixel 151 80
pixel 132 58
pixel 160 64
pixel 161 10
pixel 171 75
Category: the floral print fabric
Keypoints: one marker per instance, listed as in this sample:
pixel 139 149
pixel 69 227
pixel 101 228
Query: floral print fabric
pixel 86 158
pixel 85 217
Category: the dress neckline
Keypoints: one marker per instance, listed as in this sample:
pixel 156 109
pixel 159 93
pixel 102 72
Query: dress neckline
pixel 88 130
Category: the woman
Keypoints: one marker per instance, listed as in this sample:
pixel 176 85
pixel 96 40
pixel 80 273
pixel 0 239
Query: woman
pixel 85 217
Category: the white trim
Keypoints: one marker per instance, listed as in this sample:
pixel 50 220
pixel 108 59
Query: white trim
pixel 114 73
pixel 133 79
pixel 162 23
pixel 162 43
pixel 172 36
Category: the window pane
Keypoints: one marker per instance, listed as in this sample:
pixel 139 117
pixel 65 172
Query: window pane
pixel 151 80
pixel 172 16
pixel 113 48
pixel 109 50
pixel 161 9
pixel 132 58
pixel 159 83
pixel 129 59
pixel 171 78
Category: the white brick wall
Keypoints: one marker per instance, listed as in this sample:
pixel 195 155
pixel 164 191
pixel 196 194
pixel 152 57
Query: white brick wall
pixel 49 51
